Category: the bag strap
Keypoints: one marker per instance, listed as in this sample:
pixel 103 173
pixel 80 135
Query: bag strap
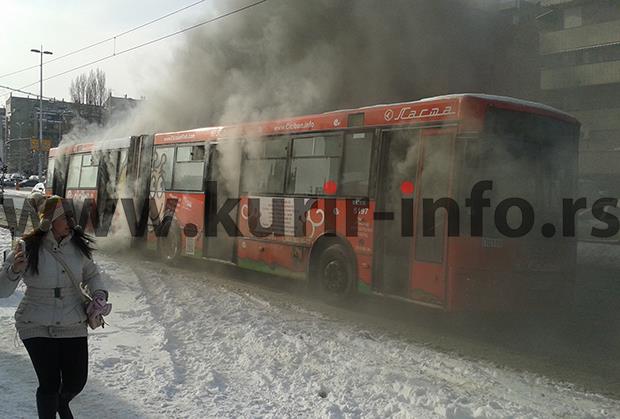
pixel 73 279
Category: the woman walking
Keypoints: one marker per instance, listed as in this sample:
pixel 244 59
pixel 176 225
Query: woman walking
pixel 53 261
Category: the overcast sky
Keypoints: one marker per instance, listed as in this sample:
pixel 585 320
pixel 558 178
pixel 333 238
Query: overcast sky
pixel 63 26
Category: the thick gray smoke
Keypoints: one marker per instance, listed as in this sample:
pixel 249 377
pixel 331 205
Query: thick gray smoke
pixel 285 58
pixel 295 57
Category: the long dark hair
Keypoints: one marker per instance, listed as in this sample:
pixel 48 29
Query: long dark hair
pixel 81 240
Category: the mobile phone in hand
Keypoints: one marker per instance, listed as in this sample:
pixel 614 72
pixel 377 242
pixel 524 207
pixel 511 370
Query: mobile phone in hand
pixel 21 246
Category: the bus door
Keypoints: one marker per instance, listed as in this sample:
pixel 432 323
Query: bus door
pixel 56 181
pixel 428 282
pixel 135 168
pixel 134 172
pixel 223 168
pixel 399 151
pixel 106 182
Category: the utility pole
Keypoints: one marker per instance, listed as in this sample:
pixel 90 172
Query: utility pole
pixel 5 138
pixel 40 152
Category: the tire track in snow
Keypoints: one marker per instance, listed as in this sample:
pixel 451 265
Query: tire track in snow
pixel 284 357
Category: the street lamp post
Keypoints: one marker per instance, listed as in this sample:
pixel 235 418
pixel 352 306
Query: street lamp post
pixel 40 153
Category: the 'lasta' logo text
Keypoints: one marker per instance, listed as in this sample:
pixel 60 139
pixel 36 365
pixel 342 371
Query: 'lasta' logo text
pixel 407 113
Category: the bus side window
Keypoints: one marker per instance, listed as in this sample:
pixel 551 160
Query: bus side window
pixel 189 168
pixel 88 176
pixel 163 158
pixel 356 164
pixel 264 165
pixel 315 161
pixel 75 166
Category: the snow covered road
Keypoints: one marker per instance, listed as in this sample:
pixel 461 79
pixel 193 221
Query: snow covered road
pixel 181 344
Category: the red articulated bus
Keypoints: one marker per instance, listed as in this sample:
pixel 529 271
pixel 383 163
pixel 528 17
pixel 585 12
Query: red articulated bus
pixel 417 201
pixel 101 172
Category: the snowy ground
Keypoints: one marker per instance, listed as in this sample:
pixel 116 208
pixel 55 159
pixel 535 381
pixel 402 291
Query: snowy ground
pixel 180 344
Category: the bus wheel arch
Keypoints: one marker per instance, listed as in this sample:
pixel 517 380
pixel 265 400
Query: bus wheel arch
pixel 332 268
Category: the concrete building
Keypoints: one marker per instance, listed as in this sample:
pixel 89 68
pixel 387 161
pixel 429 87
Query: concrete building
pixel 22 126
pixel 514 69
pixel 579 45
pixel 516 10
pixel 116 106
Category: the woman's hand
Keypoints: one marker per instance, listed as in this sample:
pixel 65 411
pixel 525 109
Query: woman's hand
pixel 20 262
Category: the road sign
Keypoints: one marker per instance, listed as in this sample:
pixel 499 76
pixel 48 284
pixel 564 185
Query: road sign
pixel 46 144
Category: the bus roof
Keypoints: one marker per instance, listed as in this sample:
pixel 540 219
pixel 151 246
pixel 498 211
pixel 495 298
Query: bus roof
pixel 438 109
pixel 111 144
pixel 533 106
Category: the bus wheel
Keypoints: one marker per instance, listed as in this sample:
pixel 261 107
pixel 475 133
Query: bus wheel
pixel 169 247
pixel 335 273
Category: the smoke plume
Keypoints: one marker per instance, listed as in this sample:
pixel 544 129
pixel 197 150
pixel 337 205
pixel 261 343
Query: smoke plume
pixel 293 57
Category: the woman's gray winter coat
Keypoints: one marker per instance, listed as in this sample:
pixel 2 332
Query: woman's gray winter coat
pixel 52 305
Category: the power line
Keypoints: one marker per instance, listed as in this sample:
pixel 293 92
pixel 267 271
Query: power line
pixel 113 38
pixel 152 41
pixel 143 44
pixel 21 91
pixel 160 18
pixel 19 71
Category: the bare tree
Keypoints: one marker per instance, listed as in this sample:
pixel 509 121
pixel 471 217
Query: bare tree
pixel 89 89
pixel 78 89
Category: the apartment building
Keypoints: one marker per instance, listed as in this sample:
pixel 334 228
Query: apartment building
pixel 22 126
pixel 579 45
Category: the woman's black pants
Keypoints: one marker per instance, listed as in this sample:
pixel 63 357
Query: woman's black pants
pixel 61 365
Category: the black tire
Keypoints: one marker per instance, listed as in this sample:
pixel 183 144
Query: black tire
pixel 169 246
pixel 335 274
